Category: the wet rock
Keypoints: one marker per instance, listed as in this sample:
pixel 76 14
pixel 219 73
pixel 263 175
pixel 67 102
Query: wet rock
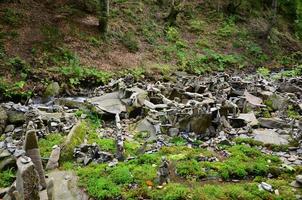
pixel 273 123
pixel 269 136
pixel 299 179
pixel 53 161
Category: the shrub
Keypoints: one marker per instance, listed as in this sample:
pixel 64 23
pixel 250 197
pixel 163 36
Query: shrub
pixel 121 175
pixel 190 168
pixel 129 40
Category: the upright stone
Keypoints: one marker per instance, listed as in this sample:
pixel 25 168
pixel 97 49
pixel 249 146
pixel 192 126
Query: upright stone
pixel 32 150
pixel 53 161
pixel 50 190
pixel 27 183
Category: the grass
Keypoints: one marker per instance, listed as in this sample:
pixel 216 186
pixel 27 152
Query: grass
pixel 6 178
pixel 46 144
pixel 245 162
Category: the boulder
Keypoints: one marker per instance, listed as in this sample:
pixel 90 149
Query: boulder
pixel 110 103
pixel 273 123
pixel 269 136
pixel 52 90
pixel 249 118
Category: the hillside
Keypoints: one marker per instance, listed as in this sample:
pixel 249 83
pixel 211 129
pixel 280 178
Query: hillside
pixel 59 40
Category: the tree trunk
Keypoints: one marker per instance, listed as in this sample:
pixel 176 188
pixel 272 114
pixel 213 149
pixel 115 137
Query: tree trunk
pixel 104 15
pixel 273 20
pixel 174 11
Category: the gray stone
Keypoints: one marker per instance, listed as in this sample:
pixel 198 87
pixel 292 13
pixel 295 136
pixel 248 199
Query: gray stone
pixel 110 103
pixel 53 161
pixel 249 118
pixel 266 186
pixel 173 132
pixel 16 117
pixel 50 190
pixel 273 123
pixel 9 128
pixel 296 184
pixel 269 136
pixel 4 153
pixel 299 179
pixel 6 163
pixel 253 100
pixel 27 183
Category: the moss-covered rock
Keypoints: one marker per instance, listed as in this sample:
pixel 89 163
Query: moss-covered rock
pixel 75 137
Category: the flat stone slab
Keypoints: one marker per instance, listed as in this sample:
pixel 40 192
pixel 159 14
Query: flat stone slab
pixel 65 186
pixel 269 136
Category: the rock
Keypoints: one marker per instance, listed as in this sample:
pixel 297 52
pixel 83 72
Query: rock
pixel 53 161
pixel 173 132
pixel 265 186
pixel 3 119
pixel 253 100
pixel 7 163
pixel 110 103
pixel 197 124
pixel 3 191
pixel 249 118
pixel 296 184
pixel 74 138
pixel 50 190
pixel 32 151
pixel 273 123
pixel 9 128
pixel 27 183
pixel 16 117
pixel 278 102
pixel 146 126
pixel 269 136
pixel 299 179
pixel 52 90
pixel 4 153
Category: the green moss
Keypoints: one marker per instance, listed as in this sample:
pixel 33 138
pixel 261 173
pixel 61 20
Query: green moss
pixel 190 168
pixel 74 139
pixel 7 177
pixel 173 191
pixel 178 141
pixel 121 175
pixel 249 141
pixel 46 144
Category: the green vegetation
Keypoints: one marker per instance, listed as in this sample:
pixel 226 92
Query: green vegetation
pixel 46 144
pixel 243 163
pixel 75 139
pixel 7 177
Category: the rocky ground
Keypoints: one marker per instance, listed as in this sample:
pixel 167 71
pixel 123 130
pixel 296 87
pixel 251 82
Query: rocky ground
pixel 239 133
